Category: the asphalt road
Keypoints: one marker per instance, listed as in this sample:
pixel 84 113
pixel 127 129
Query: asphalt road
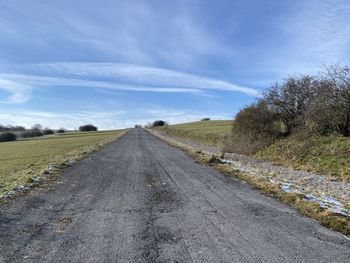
pixel 140 200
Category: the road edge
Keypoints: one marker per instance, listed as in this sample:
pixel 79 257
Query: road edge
pixel 297 201
pixel 54 170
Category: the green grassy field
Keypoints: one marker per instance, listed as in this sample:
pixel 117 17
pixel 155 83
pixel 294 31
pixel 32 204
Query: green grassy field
pixel 213 132
pixel 20 160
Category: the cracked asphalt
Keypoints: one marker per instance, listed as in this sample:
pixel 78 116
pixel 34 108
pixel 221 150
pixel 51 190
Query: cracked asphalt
pixel 140 200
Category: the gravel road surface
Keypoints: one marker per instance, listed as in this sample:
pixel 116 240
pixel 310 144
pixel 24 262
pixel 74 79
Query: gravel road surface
pixel 140 200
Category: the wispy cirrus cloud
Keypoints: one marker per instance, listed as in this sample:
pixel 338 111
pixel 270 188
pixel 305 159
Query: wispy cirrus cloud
pixel 312 34
pixel 35 81
pixel 132 32
pixel 115 76
pixel 18 92
pixel 144 75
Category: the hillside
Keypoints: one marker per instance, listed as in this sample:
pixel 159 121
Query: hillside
pixel 328 155
pixel 213 132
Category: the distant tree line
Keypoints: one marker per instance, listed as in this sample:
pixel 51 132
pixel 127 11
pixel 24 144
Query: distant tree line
pixel 11 128
pixel 11 133
pixel 302 104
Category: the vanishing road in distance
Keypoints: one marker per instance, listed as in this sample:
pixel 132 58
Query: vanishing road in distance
pixel 141 200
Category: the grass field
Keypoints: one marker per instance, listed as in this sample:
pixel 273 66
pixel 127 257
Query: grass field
pixel 20 160
pixel 208 132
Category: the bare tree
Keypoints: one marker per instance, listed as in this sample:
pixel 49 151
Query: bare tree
pixel 290 99
pixel 159 123
pixel 340 104
pixel 254 127
pixel 37 127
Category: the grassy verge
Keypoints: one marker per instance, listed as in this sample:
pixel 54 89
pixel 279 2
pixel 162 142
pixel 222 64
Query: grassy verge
pixel 328 155
pixel 208 132
pixel 313 210
pixel 328 219
pixel 21 160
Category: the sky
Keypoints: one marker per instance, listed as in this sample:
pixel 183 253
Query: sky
pixel 119 63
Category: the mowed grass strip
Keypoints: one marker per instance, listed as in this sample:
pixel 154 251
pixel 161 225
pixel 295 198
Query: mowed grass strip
pixel 213 132
pixel 20 160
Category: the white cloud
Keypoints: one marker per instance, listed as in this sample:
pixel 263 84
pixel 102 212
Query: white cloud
pixel 315 33
pixel 134 32
pixel 121 77
pixel 18 92
pixel 146 75
pixel 35 81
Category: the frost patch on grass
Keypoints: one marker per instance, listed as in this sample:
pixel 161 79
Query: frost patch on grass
pixel 287 187
pixel 70 162
pixel 36 179
pixel 328 202
pixel 325 201
pixel 52 168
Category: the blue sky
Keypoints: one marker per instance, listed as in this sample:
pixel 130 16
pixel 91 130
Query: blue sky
pixel 117 63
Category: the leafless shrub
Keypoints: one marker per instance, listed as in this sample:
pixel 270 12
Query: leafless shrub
pixel 88 127
pixel 290 99
pixel 7 137
pixel 340 103
pixel 302 105
pixel 159 123
pixel 254 127
pixel 61 130
pixel 330 108
pixel 47 131
pixel 31 133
